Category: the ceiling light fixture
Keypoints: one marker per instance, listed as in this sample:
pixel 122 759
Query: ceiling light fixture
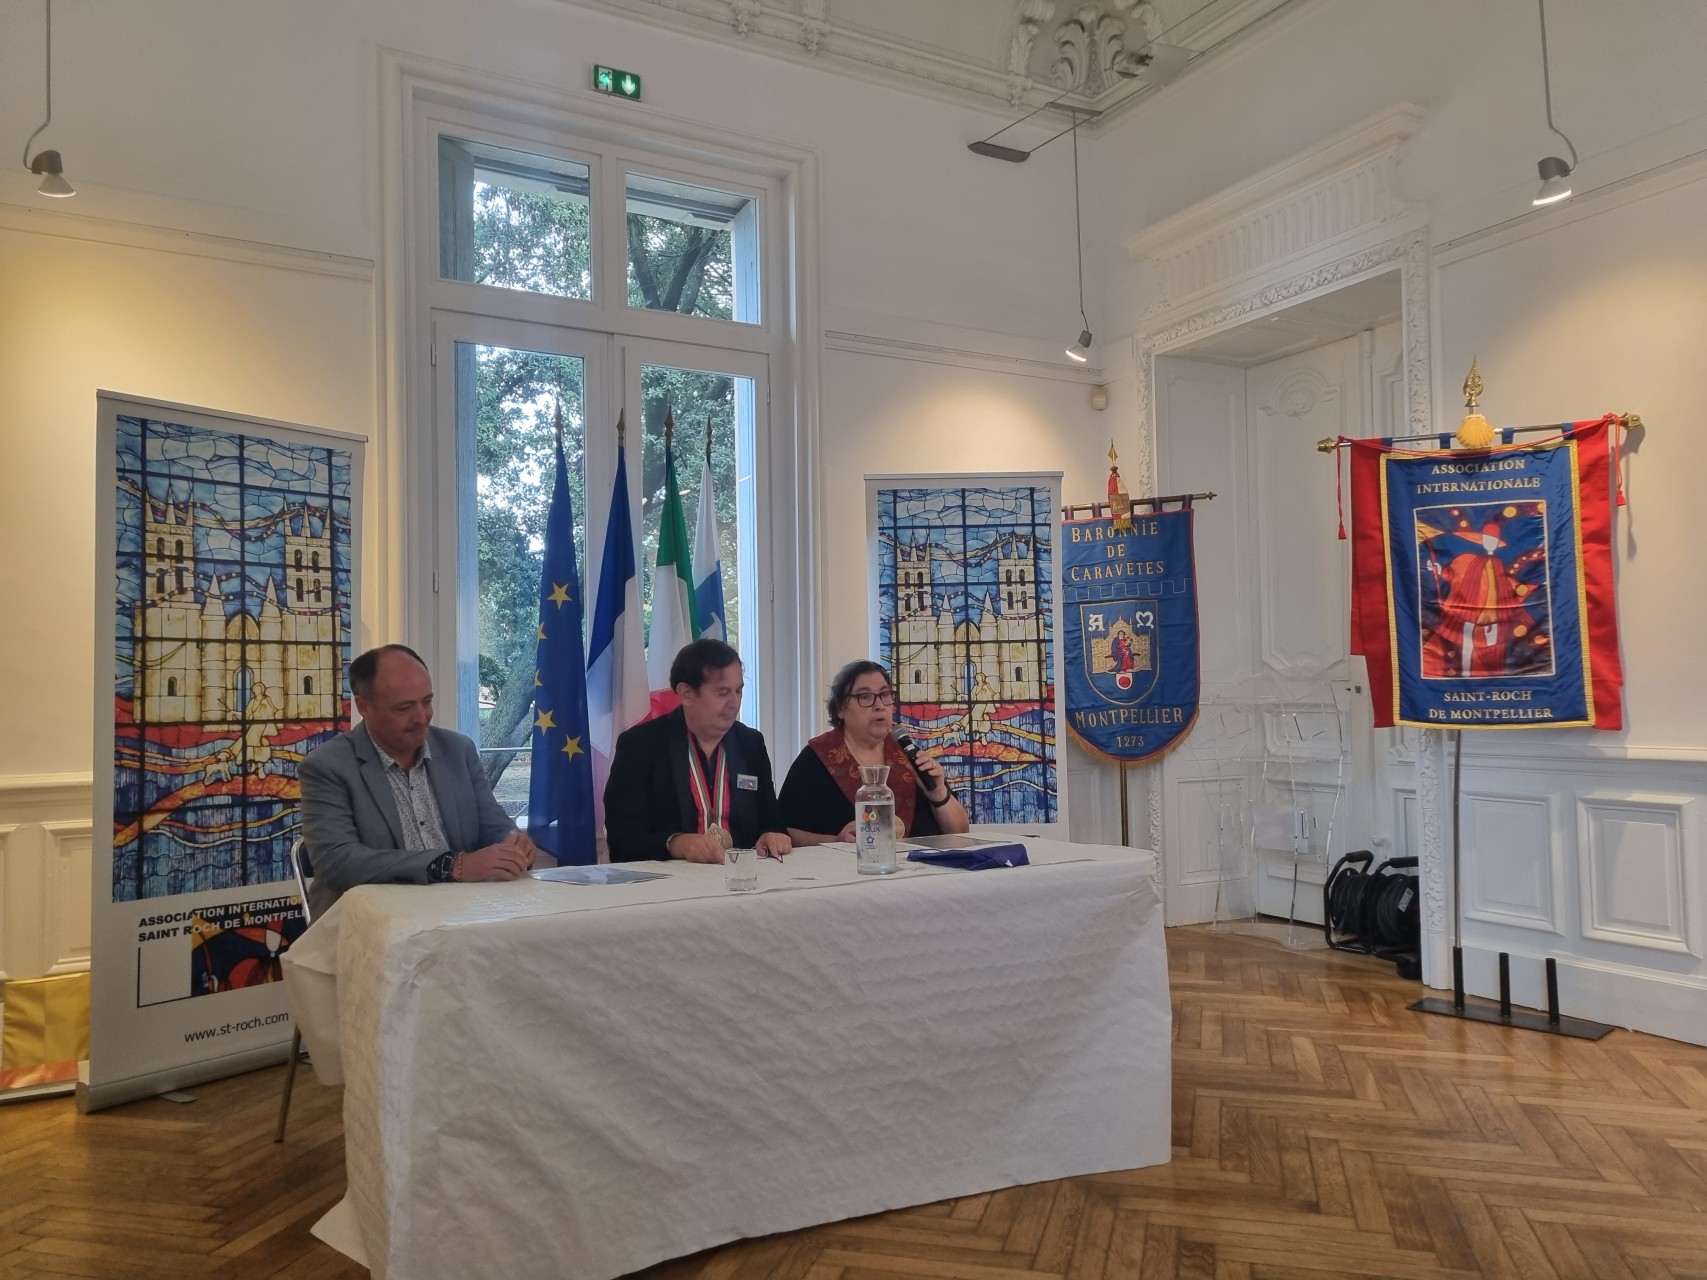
pixel 1555 173
pixel 1080 351
pixel 1013 155
pixel 47 164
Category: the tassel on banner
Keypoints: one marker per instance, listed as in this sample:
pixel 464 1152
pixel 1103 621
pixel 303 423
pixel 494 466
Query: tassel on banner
pixel 1628 422
pixel 1339 486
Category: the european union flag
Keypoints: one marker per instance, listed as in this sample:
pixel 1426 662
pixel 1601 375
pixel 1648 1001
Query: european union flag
pixel 560 791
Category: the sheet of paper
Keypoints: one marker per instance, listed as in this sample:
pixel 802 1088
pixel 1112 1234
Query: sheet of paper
pixel 596 875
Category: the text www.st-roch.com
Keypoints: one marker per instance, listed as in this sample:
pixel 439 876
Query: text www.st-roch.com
pixel 248 1024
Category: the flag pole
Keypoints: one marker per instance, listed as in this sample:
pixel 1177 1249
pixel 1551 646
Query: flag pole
pixel 1097 510
pixel 1330 444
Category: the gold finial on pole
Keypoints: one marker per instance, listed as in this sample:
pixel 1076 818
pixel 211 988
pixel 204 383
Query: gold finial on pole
pixel 708 439
pixel 557 423
pixel 621 428
pixel 1119 501
pixel 669 427
pixel 1476 432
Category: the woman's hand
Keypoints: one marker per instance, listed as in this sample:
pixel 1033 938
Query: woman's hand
pixel 933 775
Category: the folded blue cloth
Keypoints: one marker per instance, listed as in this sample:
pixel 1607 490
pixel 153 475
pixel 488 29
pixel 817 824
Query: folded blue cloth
pixel 995 855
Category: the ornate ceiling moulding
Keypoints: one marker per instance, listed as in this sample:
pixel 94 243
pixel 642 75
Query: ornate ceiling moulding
pixel 1023 58
pixel 1094 38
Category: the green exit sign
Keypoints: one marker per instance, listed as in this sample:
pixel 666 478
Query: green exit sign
pixel 618 83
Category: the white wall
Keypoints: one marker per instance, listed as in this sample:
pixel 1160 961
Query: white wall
pixel 258 123
pixel 222 251
pixel 1626 88
pixel 1586 846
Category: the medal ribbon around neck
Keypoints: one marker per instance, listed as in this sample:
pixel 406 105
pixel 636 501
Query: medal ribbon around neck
pixel 703 795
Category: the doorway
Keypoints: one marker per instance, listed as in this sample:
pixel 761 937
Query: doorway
pixel 1283 772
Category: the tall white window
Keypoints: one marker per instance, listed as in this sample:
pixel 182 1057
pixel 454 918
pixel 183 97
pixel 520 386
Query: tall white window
pixel 588 275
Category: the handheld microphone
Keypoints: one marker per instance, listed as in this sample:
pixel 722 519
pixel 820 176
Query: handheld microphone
pixel 910 749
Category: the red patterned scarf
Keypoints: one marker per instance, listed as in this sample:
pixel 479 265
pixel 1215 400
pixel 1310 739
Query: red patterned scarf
pixel 832 749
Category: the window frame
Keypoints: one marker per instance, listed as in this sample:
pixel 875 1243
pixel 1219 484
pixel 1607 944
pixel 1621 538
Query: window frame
pixel 432 312
pixel 755 568
pixel 457 612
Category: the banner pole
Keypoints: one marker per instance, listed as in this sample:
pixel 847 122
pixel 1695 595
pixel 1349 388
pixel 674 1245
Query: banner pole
pixel 1097 510
pixel 1457 876
pixel 1125 815
pixel 1501 1014
pixel 1629 421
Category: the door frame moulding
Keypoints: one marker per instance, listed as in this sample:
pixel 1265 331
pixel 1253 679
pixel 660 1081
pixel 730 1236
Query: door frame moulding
pixel 1328 217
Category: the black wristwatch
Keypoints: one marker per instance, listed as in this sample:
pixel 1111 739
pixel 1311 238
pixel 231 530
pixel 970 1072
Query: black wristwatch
pixel 937 804
pixel 440 868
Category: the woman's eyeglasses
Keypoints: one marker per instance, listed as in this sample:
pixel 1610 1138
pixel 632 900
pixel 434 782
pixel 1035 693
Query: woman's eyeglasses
pixel 867 699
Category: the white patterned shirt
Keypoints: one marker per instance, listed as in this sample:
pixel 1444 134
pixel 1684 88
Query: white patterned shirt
pixel 417 806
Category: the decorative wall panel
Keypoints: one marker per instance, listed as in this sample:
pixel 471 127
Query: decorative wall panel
pixel 1631 852
pixel 65 894
pixel 1509 860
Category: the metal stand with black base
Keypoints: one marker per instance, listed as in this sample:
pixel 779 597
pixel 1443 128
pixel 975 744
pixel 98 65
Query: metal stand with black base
pixel 1502 1014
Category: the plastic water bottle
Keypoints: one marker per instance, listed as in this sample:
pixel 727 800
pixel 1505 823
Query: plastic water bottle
pixel 874 819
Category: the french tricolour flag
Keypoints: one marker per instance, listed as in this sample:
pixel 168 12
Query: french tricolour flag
pixel 708 560
pixel 616 658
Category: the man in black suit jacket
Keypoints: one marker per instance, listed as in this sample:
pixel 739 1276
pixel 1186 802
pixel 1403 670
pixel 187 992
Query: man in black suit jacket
pixel 695 782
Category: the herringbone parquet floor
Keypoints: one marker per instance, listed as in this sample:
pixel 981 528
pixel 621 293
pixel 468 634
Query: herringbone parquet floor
pixel 1320 1130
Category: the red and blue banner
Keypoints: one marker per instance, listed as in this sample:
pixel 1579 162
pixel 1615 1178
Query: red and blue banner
pixel 1482 588
pixel 1129 610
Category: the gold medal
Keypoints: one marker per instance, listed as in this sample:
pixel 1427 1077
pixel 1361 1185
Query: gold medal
pixel 717 833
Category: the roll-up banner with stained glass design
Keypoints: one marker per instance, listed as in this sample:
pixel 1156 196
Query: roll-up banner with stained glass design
pixel 963 601
pixel 225 597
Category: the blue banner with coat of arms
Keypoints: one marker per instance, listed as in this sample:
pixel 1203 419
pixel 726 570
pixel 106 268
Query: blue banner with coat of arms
pixel 1129 611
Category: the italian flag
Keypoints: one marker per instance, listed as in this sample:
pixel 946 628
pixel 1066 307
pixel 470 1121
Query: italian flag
pixel 674 620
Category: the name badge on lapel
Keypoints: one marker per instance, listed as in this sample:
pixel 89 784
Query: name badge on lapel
pixel 746 782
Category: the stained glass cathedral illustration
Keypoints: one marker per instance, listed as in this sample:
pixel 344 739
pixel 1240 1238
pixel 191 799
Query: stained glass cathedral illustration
pixel 935 650
pixel 200 666
pixel 232 631
pixel 966 615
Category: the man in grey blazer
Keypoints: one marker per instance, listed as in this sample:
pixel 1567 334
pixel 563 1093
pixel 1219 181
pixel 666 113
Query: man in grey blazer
pixel 396 801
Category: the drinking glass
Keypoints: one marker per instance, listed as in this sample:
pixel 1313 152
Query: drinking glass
pixel 741 870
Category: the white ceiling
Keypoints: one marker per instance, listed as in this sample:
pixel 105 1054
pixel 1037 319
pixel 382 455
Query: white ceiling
pixel 1018 53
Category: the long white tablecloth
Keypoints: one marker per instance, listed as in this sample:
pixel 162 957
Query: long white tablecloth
pixel 551 1080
